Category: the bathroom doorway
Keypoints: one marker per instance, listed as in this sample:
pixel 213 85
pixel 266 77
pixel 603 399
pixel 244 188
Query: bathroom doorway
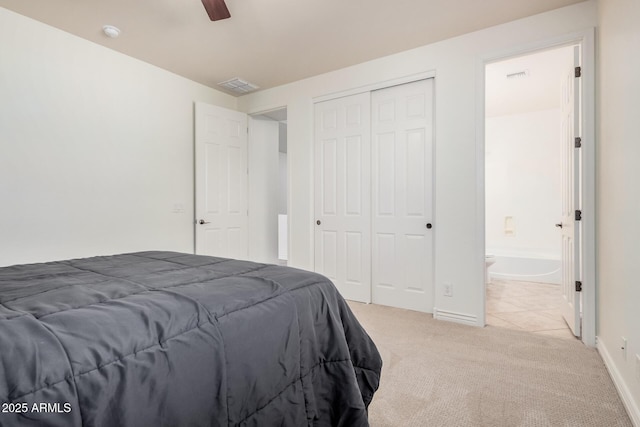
pixel 523 190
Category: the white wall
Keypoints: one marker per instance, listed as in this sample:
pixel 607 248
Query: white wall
pixel 618 203
pixel 455 62
pixel 96 148
pixel 522 181
pixel 264 171
pixel 282 182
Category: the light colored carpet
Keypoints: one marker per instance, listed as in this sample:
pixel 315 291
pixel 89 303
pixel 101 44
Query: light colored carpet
pixel 439 373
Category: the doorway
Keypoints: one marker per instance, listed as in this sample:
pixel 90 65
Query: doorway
pixel 268 187
pixel 526 125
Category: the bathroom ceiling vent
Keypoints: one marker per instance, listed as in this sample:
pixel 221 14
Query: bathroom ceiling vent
pixel 239 86
pixel 518 75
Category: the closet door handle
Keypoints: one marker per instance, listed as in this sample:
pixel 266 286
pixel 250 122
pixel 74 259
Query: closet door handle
pixel 202 222
pixel 429 226
pixel 318 222
pixel 559 225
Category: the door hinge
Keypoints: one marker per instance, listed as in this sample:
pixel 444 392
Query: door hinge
pixel 578 286
pixel 578 142
pixel 578 72
pixel 578 215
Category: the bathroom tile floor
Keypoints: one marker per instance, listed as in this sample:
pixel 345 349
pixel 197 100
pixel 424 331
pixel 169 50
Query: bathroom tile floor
pixel 526 306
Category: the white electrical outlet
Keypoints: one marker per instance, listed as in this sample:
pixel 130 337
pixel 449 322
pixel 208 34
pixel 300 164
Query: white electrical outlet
pixel 447 290
pixel 623 347
pixel 638 367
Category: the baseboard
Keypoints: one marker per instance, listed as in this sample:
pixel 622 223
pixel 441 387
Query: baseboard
pixel 451 316
pixel 624 392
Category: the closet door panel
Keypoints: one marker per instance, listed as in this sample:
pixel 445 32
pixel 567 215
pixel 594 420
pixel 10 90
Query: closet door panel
pixel 343 194
pixel 328 171
pixel 415 173
pixel 385 176
pixel 402 132
pixel 384 260
pixel 353 202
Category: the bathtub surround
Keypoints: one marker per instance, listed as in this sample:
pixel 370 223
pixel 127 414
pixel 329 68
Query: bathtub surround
pixel 528 269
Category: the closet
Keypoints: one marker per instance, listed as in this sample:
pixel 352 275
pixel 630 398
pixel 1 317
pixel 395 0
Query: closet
pixel 373 179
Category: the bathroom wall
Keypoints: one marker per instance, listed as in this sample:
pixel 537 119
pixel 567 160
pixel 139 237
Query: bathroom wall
pixel 523 198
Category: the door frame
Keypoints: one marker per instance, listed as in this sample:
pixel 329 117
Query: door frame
pixel 586 40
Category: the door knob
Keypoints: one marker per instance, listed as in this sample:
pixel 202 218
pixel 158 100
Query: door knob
pixel 429 226
pixel 202 222
pixel 318 222
pixel 559 225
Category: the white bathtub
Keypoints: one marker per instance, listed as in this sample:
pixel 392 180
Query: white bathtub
pixel 540 270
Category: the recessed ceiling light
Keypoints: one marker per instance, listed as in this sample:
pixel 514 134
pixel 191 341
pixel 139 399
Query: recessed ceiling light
pixel 111 31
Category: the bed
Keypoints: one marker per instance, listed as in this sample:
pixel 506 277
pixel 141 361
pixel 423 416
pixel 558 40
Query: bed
pixel 172 339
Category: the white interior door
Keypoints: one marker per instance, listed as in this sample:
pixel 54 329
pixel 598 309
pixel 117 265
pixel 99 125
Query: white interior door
pixel 221 182
pixel 570 157
pixel 343 194
pixel 402 154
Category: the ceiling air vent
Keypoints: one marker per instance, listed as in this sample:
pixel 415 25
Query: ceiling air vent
pixel 237 85
pixel 518 74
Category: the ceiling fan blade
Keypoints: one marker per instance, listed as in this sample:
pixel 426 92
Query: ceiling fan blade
pixel 216 9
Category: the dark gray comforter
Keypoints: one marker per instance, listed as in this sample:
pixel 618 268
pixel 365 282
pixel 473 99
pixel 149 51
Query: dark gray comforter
pixel 169 339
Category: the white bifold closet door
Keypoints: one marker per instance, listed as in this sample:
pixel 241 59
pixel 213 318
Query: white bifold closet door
pixel 373 195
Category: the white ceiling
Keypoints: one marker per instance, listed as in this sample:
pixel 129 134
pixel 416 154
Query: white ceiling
pixel 272 42
pixel 540 90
